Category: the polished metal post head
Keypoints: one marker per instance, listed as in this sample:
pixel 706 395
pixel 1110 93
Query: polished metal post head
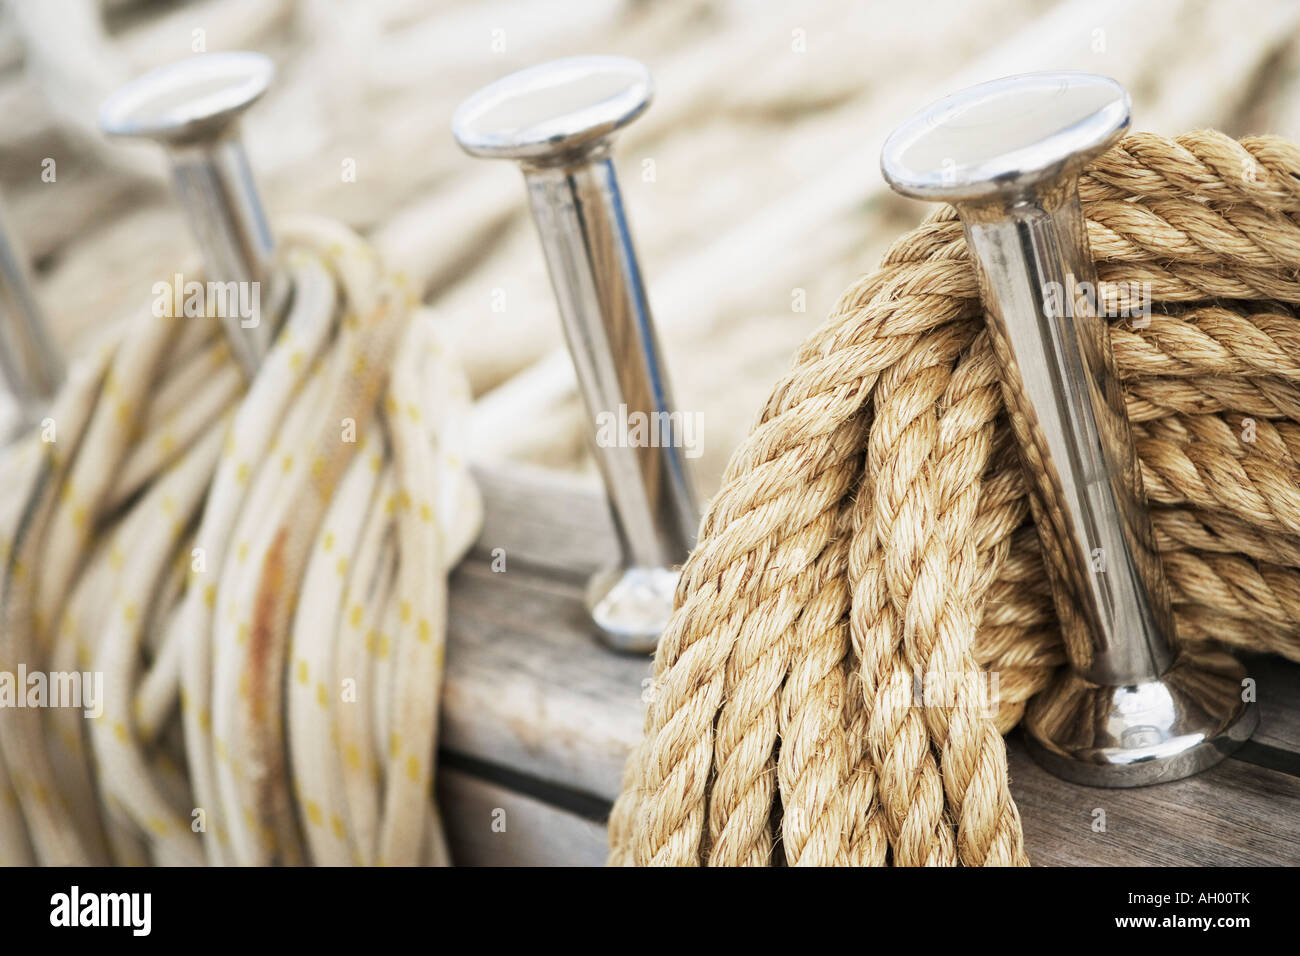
pixel 31 368
pixel 555 112
pixel 192 108
pixel 556 121
pixel 1128 711
pixel 1007 138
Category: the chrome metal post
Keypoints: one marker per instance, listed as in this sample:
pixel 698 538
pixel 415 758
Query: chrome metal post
pixel 192 108
pixel 31 368
pixel 1007 154
pixel 556 121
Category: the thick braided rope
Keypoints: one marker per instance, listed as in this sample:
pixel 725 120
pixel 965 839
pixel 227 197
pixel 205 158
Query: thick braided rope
pixel 870 541
pixel 191 543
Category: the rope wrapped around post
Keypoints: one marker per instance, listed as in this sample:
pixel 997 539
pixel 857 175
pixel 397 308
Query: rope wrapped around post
pixel 870 535
pixel 257 571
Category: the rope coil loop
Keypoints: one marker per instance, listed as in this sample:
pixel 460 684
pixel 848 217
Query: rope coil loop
pixel 258 577
pixel 866 611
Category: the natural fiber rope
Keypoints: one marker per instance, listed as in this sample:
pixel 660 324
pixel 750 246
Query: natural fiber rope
pixel 249 557
pixel 872 531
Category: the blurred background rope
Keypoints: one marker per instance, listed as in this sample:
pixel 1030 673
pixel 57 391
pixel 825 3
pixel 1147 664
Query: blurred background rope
pixel 872 533
pixel 236 565
pixel 754 203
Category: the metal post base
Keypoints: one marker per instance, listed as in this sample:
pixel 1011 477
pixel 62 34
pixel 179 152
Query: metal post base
pixel 631 606
pixel 1141 734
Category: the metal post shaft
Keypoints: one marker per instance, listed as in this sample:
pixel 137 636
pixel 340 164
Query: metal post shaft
pixel 1008 155
pixel 556 120
pixel 192 109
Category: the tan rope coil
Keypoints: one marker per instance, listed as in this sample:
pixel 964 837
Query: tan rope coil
pixel 242 567
pixel 872 531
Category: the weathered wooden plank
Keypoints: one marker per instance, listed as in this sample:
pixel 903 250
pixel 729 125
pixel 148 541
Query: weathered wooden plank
pixel 544 519
pixel 490 825
pixel 530 690
pixel 1278 686
pixel 1235 814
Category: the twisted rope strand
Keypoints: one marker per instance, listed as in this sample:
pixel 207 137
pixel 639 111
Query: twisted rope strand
pixel 882 465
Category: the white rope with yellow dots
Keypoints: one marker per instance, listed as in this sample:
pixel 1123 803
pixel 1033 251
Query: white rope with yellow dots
pixel 259 575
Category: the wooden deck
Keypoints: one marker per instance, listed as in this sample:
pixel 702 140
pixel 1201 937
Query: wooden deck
pixel 538 718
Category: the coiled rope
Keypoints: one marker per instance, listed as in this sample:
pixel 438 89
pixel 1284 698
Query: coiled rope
pixel 873 532
pixel 258 575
